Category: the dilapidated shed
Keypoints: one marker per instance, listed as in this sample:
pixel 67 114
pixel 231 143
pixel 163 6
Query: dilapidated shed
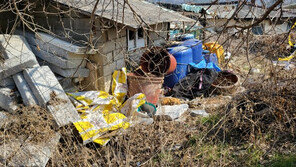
pixel 114 31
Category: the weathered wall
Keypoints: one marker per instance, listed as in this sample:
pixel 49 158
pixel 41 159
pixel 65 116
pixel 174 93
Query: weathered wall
pixel 268 26
pixel 110 56
pixel 272 28
pixel 156 36
pixel 110 42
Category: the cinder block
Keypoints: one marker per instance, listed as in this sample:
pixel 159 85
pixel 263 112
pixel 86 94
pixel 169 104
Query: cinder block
pixel 103 59
pixel 58 43
pixel 118 54
pixel 120 63
pixel 50 93
pixel 31 154
pixel 14 65
pixel 107 69
pixel 8 100
pixel 105 83
pixel 121 43
pixel 26 93
pixel 91 82
pixel 17 55
pixel 114 33
pixel 108 46
pixel 58 61
pixel 7 82
pixel 68 73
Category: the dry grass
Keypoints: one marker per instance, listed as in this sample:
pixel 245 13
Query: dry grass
pixel 254 128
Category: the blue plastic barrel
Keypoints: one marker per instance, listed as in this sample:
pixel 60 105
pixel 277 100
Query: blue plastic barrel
pixel 173 78
pixel 196 46
pixel 210 57
pixel 183 56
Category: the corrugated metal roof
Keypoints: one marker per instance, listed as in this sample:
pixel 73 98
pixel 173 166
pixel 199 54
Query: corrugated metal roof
pixel 226 11
pixel 120 12
pixel 178 2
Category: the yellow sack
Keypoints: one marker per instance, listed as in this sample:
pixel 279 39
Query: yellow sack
pixel 119 84
pixel 100 110
pixel 130 107
pixel 99 115
pixel 214 47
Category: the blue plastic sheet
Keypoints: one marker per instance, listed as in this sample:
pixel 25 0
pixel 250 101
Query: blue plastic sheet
pixel 204 64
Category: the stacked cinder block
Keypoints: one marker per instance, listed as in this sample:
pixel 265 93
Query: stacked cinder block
pixel 66 60
pixel 17 56
pixel 36 85
pixel 110 56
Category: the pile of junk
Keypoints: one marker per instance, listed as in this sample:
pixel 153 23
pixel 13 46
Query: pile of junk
pixel 184 69
pixel 157 90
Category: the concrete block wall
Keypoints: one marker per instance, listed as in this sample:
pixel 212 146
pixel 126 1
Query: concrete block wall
pixel 158 34
pixel 113 55
pixel 110 57
pixel 109 42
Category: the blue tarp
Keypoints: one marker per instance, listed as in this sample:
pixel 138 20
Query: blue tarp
pixel 204 64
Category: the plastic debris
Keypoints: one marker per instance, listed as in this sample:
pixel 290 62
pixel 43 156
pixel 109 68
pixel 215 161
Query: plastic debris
pixel 199 112
pixel 173 111
pixel 99 115
pixel 102 112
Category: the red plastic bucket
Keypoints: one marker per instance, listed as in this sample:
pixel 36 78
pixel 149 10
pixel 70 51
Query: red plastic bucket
pixel 150 86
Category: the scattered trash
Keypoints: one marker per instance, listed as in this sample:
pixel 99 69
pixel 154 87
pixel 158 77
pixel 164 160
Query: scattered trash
pixel 99 115
pixel 158 61
pixel 197 83
pixel 170 101
pixel 174 111
pixel 217 49
pixel 226 83
pixel 148 108
pixel 183 57
pixel 254 71
pixel 287 65
pixel 195 113
pixel 149 85
pixel 228 56
pixel 119 84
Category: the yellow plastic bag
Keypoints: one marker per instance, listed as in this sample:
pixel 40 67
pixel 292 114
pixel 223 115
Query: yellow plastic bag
pixel 130 107
pixel 119 84
pixel 99 115
pixel 214 47
pixel 100 110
